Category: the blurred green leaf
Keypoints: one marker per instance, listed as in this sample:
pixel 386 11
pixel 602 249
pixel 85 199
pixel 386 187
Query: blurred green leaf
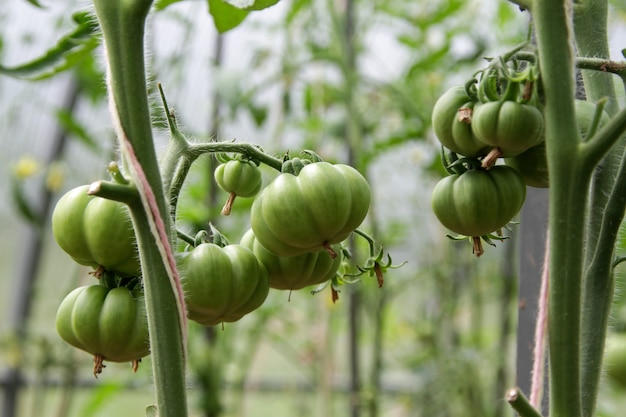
pixel 35 3
pixel 227 16
pixel 162 4
pixel 68 51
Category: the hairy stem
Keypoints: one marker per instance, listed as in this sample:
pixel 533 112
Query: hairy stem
pixel 569 183
pixel 606 207
pixel 123 23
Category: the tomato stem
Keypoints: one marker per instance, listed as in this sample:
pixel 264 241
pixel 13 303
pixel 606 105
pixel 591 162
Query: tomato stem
pixel 229 204
pixel 477 248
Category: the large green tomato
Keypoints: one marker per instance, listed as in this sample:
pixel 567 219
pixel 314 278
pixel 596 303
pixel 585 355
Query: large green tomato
pixel 479 202
pixel 511 126
pixel 222 284
pixel 319 207
pixel 293 272
pixel 453 132
pixel 107 322
pixel 96 232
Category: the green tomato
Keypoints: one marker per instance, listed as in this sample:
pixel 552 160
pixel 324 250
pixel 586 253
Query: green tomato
pixel 107 322
pixel 242 178
pixel 238 178
pixel 222 284
pixel 305 213
pixel 479 202
pixel 452 129
pixel 533 163
pixel 513 127
pixel 615 359
pixel 96 232
pixel 294 272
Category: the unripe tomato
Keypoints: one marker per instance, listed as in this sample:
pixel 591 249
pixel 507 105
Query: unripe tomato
pixel 479 202
pixel 222 284
pixel 511 126
pixel 293 272
pixel 454 133
pixel 107 322
pixel 319 207
pixel 238 178
pixel 533 163
pixel 615 358
pixel 96 232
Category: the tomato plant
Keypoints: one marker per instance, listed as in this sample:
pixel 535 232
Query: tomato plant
pixel 320 206
pixel 222 284
pixel 96 232
pixel 294 272
pixel 451 120
pixel 479 202
pixel 238 178
pixel 109 323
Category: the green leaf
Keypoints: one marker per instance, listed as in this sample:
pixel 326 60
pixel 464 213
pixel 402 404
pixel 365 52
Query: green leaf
pixel 162 4
pixel 68 51
pixel 35 3
pixel 227 15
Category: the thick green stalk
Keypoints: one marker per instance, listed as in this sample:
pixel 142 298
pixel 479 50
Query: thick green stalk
pixel 123 23
pixel 590 20
pixel 569 181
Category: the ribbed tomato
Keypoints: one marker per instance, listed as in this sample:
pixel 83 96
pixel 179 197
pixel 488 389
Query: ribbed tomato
pixel 108 323
pixel 479 202
pixel 320 206
pixel 294 272
pixel 452 127
pixel 222 284
pixel 96 232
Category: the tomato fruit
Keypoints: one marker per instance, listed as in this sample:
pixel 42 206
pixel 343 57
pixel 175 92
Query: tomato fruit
pixel 453 130
pixel 511 126
pixel 96 232
pixel 293 272
pixel 238 178
pixel 533 163
pixel 222 284
pixel 305 213
pixel 479 202
pixel 107 322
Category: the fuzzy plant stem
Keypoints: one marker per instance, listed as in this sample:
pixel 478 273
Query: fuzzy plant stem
pixel 569 182
pixel 123 25
pixel 606 209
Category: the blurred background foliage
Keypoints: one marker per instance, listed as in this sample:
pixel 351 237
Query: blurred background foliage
pixel 355 81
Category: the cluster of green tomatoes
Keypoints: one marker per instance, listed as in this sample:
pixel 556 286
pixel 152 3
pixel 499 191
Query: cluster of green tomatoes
pixel 496 116
pixel 298 222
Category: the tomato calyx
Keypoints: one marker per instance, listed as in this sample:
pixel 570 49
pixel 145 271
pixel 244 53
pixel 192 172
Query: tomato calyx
pixel 477 241
pixel 295 165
